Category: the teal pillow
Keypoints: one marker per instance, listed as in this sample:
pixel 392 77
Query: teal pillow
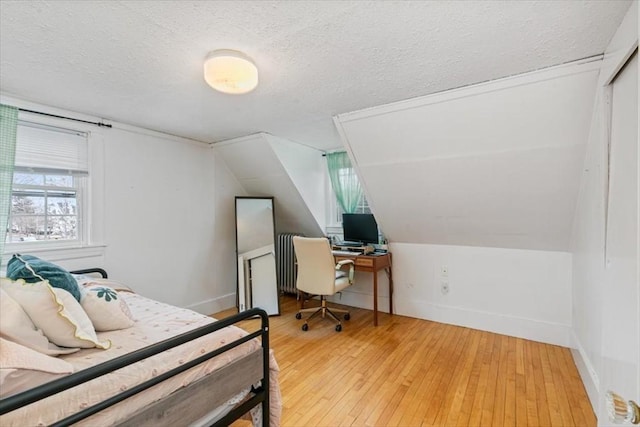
pixel 32 269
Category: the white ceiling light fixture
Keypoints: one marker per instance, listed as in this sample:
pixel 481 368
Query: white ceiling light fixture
pixel 230 71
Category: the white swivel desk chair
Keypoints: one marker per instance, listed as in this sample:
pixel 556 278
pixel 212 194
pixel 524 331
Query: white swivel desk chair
pixel 318 274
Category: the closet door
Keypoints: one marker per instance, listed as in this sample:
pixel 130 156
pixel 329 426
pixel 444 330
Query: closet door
pixel 621 297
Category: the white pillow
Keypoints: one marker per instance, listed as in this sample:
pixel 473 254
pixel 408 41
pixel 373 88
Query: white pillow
pixel 81 279
pixel 105 282
pixel 56 312
pixel 23 368
pixel 107 310
pixel 16 326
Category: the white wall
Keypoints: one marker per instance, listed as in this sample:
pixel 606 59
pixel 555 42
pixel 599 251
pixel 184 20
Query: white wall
pixel 307 169
pixel 495 164
pixel 520 293
pixel 162 211
pixel 589 269
pixel 483 179
pixel 263 165
pixel 588 257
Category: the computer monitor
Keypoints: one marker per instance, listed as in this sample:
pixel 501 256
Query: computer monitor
pixel 359 228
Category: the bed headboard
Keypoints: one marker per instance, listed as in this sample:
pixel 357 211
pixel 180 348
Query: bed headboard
pixel 91 270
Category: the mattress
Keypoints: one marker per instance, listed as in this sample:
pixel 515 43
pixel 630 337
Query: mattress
pixel 154 322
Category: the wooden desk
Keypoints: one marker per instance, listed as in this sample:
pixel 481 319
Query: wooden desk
pixel 373 264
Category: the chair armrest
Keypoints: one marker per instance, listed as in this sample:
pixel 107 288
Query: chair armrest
pixel 344 262
pixel 351 264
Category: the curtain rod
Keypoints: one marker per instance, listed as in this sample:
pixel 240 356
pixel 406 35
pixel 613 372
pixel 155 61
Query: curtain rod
pixel 100 124
pixel 333 151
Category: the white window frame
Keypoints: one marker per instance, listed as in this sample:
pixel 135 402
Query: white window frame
pixel 79 187
pixel 82 202
pixel 333 226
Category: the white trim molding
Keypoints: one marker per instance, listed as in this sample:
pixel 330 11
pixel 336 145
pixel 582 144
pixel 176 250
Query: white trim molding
pixel 214 305
pixel 587 372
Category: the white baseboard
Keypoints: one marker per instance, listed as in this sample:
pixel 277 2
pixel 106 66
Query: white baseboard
pixel 360 300
pixel 531 329
pixel 587 372
pixel 214 305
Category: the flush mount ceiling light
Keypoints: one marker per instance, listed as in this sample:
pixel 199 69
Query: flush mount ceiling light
pixel 230 71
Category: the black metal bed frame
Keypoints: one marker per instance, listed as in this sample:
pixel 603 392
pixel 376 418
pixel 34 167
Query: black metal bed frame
pixel 260 395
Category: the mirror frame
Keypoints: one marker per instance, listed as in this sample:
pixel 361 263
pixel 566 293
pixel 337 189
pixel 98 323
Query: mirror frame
pixel 248 299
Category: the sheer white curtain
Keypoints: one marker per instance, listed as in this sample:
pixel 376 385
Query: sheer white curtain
pixel 344 181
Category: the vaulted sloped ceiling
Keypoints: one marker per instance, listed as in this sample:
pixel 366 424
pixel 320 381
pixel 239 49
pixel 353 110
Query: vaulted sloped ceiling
pixel 140 62
pixel 292 173
pixel 496 164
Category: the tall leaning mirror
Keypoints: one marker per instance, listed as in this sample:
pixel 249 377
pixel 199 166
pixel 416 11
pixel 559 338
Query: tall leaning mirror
pixel 255 249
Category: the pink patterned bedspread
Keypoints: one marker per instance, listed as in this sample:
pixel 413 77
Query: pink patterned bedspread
pixel 155 321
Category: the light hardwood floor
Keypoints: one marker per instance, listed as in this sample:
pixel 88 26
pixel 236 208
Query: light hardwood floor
pixel 412 372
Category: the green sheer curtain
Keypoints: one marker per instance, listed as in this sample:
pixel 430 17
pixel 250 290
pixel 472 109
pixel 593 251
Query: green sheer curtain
pixel 344 181
pixel 8 131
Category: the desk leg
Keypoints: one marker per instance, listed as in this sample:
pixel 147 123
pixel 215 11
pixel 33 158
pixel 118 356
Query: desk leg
pixel 375 298
pixel 389 275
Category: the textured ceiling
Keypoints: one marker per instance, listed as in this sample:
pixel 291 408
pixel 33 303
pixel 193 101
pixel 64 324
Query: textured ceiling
pixel 141 62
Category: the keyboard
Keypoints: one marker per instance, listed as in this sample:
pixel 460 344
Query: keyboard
pixel 349 243
pixel 346 253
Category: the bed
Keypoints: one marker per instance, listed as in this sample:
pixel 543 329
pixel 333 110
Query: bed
pixel 172 367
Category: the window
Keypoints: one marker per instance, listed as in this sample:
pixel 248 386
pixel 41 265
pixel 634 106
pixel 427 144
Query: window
pixel 43 207
pixel 47 197
pixel 345 174
pixel 346 187
pixel 363 207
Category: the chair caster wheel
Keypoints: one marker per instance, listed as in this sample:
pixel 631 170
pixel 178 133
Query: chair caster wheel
pixel 347 316
pixel 298 316
pixel 305 327
pixel 338 328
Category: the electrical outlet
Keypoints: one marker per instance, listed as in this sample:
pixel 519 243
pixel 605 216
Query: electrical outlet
pixel 444 271
pixel 444 287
